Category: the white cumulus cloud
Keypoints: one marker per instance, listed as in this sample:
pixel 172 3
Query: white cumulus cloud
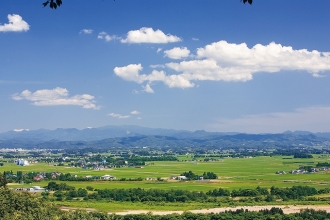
pixel 57 96
pixel 265 58
pixel 148 89
pixel 237 62
pixel 86 31
pixel 208 69
pixel 119 116
pixel 16 24
pixel 154 66
pixel 131 72
pixel 228 62
pixel 177 53
pixel 21 129
pixel 103 35
pixel 135 112
pixel 148 35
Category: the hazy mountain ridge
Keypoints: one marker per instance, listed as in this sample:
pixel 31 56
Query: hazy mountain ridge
pixel 136 136
pixel 93 134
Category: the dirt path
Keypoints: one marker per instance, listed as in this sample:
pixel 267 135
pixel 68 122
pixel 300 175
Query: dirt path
pixel 287 209
pixel 65 208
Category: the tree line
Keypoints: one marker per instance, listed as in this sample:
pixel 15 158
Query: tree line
pixel 16 206
pixel 63 191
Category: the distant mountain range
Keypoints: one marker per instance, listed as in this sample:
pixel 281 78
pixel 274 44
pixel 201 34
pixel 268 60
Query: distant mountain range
pixel 93 134
pixel 129 135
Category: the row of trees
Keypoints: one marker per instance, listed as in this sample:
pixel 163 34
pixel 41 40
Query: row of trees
pixel 302 155
pixel 296 192
pixel 16 206
pixel 142 195
pixel 206 175
pixel 53 186
pixel 29 177
pixel 158 195
pixel 323 164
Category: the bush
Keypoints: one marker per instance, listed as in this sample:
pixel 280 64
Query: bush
pixel 89 188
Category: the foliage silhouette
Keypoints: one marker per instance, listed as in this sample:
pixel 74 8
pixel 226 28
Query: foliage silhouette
pixel 53 4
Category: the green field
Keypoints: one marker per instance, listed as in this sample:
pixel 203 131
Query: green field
pixel 234 173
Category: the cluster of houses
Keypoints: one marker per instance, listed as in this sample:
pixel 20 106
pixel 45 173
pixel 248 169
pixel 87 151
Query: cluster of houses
pixel 99 165
pixel 55 175
pixel 91 165
pixel 304 171
pixel 182 178
pixel 43 175
pixel 105 177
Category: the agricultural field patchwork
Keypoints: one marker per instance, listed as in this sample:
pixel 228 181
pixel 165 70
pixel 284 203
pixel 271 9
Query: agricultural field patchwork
pixel 233 173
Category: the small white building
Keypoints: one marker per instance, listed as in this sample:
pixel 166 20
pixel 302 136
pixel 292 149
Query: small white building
pixel 22 162
pixel 182 178
pixel 107 177
pixel 37 189
pixel 34 189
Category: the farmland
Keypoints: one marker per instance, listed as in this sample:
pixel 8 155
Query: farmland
pixel 233 173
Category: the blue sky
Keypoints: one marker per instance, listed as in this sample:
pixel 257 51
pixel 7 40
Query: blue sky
pixel 188 64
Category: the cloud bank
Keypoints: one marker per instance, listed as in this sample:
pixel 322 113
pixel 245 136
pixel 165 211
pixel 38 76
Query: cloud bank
pixel 57 96
pixel 16 24
pixel 228 62
pixel 148 35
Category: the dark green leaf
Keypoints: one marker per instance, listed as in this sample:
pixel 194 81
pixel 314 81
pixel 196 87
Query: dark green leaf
pixel 249 1
pixel 45 3
pixel 59 2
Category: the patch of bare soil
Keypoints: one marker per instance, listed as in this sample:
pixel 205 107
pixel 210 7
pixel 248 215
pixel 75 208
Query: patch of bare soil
pixel 286 209
pixel 65 208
